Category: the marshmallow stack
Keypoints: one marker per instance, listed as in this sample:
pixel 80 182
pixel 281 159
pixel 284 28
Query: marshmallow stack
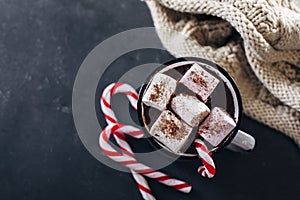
pixel 181 113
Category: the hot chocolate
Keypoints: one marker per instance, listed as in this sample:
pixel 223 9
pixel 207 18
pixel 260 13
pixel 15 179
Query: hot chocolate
pixel 199 102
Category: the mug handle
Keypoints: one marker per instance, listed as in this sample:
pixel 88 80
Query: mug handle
pixel 242 142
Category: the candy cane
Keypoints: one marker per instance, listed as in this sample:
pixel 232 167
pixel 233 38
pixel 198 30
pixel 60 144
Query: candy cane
pixel 111 90
pixel 110 118
pixel 127 159
pixel 143 186
pixel 125 148
pixel 208 169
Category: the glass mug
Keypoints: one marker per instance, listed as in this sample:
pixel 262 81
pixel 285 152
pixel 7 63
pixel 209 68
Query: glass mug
pixel 225 95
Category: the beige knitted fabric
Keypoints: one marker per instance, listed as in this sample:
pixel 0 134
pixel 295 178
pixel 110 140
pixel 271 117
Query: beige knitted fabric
pixel 256 41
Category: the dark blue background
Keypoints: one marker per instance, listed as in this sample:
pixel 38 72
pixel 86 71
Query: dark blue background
pixel 42 44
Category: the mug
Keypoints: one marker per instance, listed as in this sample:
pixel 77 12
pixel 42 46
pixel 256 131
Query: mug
pixel 225 95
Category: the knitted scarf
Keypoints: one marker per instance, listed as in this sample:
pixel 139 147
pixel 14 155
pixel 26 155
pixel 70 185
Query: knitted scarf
pixel 257 42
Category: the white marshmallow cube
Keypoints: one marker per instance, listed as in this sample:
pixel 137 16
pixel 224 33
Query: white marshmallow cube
pixel 189 109
pixel 170 131
pixel 159 92
pixel 217 126
pixel 199 81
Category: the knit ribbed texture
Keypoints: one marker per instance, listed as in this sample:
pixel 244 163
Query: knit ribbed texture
pixel 257 42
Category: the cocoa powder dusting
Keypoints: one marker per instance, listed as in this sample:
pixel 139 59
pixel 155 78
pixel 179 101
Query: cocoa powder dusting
pixel 170 128
pixel 203 129
pixel 198 79
pixel 158 91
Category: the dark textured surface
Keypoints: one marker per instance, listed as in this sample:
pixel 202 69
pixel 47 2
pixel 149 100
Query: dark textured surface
pixel 42 44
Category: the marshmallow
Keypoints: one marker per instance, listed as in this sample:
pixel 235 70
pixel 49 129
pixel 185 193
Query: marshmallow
pixel 216 126
pixel 159 92
pixel 199 81
pixel 189 109
pixel 170 131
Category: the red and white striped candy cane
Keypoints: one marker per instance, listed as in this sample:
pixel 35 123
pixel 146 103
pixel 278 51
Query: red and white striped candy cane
pixel 111 90
pixel 126 150
pixel 126 158
pixel 110 118
pixel 143 186
pixel 208 169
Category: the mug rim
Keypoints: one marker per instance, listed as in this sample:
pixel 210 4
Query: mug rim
pixel 233 133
